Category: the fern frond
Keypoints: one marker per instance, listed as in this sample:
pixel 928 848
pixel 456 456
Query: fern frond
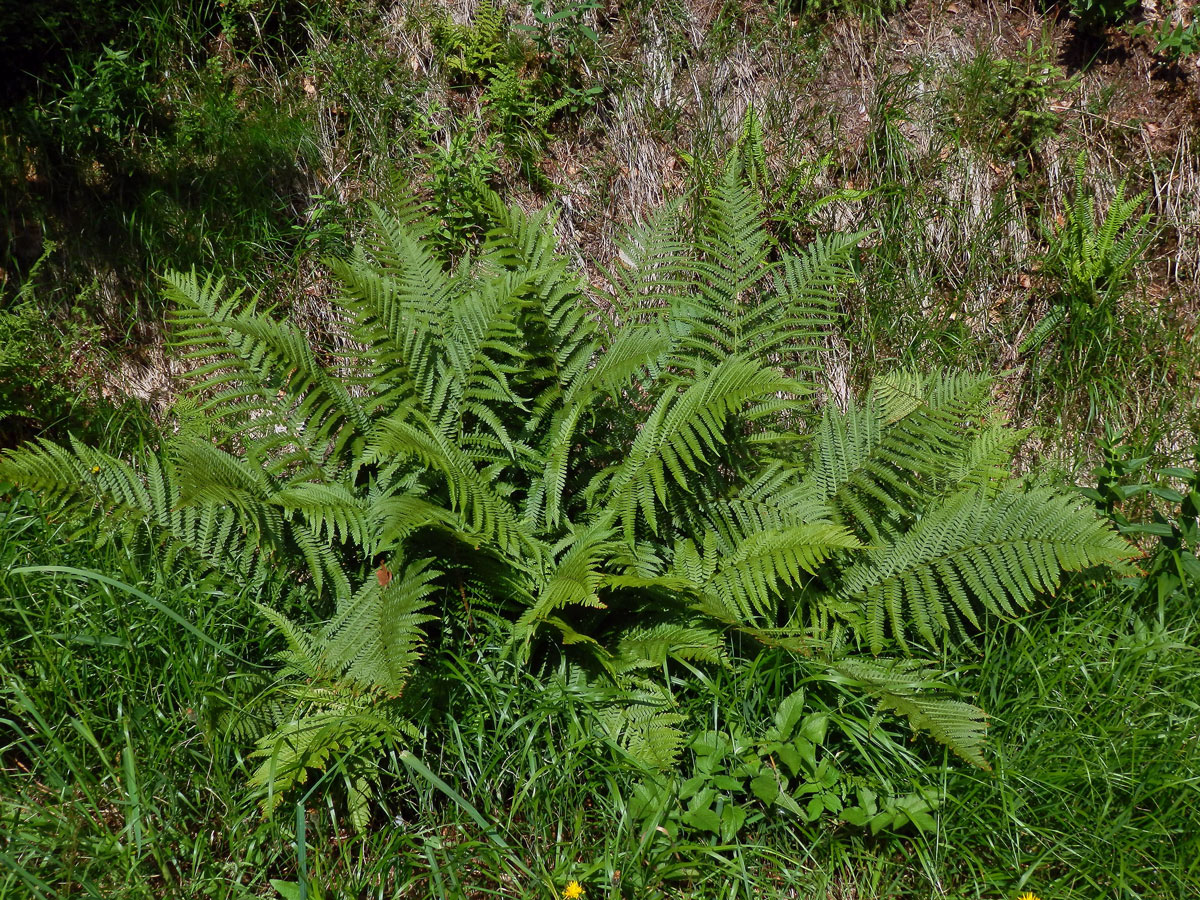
pixel 910 688
pixel 651 647
pixel 634 350
pixel 875 464
pixel 332 512
pixel 751 578
pixel 144 500
pixel 472 494
pixel 392 519
pixel 733 244
pixel 751 151
pixel 574 581
pixel 986 461
pixel 645 725
pixel 683 433
pixel 254 377
pixel 304 654
pixel 397 301
pixel 995 551
pixel 655 264
pixel 347 733
pixel 775 498
pixel 375 635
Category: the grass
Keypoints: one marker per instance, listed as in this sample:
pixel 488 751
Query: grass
pixel 1097 777
pixel 111 786
pixel 123 779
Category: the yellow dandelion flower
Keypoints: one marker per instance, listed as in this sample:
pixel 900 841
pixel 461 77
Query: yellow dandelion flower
pixel 574 890
pixel 1029 895
pixel 95 469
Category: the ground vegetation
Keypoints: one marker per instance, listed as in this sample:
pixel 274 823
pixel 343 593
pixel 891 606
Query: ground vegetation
pixel 610 449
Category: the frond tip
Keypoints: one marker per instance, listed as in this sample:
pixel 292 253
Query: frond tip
pixel 912 689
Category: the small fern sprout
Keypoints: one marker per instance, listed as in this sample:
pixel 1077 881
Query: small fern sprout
pixel 1093 260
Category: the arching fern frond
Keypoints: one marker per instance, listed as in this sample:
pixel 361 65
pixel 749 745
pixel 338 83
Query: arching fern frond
pixel 574 580
pixel 998 552
pixel 253 376
pixel 142 502
pixel 876 463
pixel 911 688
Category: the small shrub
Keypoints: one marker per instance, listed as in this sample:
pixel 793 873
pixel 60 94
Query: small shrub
pixel 525 86
pixel 40 390
pixel 103 105
pixel 1096 15
pixel 1175 41
pixel 1003 105
pixel 568 51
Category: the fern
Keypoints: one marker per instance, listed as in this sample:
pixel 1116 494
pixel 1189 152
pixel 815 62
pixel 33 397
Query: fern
pixel 999 552
pixel 345 681
pixel 1097 258
pixel 910 688
pixel 623 496
pixel 1093 261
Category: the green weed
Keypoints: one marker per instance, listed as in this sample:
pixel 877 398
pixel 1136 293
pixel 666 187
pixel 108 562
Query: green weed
pixel 1003 105
pixel 1096 15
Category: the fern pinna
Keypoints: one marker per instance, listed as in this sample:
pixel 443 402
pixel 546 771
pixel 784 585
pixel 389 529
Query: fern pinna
pixel 621 489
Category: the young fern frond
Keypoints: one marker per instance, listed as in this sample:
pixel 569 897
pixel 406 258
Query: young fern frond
pixel 751 151
pixel 733 251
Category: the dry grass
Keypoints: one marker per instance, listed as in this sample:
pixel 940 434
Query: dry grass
pixel 856 106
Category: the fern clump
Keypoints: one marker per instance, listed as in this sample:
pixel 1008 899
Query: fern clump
pixel 1093 262
pixel 622 493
